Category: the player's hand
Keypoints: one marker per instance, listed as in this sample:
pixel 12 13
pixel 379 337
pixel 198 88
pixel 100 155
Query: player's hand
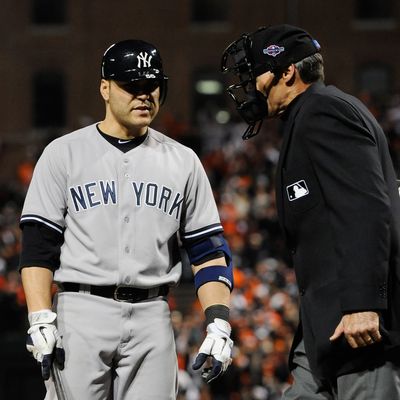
pixel 360 329
pixel 218 346
pixel 44 341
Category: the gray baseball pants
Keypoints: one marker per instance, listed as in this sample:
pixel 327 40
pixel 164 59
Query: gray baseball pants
pixel 115 350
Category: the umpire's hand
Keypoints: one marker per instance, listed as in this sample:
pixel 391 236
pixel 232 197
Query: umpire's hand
pixel 44 341
pixel 360 329
pixel 217 345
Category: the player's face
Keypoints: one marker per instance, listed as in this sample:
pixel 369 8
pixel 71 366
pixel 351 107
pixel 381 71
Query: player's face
pixel 131 106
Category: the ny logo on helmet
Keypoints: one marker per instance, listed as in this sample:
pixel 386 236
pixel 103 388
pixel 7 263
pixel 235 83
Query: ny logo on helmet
pixel 143 59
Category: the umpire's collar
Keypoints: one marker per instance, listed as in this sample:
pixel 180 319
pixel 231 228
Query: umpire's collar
pixel 296 103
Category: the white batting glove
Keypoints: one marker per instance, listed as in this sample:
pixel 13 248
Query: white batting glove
pixel 217 345
pixel 44 341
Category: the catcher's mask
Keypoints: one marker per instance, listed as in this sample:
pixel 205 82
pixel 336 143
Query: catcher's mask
pixel 250 103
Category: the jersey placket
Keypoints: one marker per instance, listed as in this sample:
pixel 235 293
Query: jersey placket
pixel 127 226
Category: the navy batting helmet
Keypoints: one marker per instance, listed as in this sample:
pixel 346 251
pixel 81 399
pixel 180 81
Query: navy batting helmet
pixel 132 60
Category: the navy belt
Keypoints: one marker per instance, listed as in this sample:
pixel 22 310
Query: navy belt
pixel 127 294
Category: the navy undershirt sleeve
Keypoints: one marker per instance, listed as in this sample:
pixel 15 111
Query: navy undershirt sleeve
pixel 41 246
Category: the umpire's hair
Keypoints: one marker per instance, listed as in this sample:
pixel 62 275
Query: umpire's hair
pixel 311 68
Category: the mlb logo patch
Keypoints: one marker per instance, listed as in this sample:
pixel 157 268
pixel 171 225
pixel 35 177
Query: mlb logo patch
pixel 297 190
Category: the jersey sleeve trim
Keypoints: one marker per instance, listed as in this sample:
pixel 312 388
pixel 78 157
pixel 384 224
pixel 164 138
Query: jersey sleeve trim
pixel 37 218
pixel 205 231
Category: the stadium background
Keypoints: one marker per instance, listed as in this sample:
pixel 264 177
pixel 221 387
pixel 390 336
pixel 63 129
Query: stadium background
pixel 49 64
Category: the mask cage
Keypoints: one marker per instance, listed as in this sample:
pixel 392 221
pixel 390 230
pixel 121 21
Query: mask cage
pixel 250 103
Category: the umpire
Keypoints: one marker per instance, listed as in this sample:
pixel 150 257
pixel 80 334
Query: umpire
pixel 339 209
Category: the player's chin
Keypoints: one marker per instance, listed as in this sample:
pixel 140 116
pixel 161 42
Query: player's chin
pixel 144 117
pixel 142 122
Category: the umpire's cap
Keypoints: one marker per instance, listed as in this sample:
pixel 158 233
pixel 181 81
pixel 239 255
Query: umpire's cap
pixel 279 46
pixel 132 60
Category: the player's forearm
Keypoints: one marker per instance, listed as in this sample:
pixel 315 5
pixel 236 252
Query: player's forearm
pixel 37 282
pixel 212 293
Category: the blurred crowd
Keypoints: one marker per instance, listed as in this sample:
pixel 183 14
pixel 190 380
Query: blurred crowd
pixel 264 311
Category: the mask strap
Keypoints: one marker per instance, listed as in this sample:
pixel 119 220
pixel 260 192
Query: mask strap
pixel 252 130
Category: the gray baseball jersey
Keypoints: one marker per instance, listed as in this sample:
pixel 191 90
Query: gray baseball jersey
pixel 122 214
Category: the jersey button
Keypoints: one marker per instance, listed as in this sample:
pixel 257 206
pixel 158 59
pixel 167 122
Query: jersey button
pixel 127 176
pixel 127 249
pixel 126 161
pixel 126 219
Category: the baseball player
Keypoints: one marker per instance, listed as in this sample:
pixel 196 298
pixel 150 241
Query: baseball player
pixel 107 214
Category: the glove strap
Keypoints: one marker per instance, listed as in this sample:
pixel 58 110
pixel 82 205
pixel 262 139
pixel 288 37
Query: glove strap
pixel 216 311
pixel 45 316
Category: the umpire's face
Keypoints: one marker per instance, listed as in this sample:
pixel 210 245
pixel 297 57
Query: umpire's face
pixel 131 106
pixel 278 90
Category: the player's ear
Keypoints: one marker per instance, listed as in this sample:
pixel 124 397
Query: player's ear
pixel 105 89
